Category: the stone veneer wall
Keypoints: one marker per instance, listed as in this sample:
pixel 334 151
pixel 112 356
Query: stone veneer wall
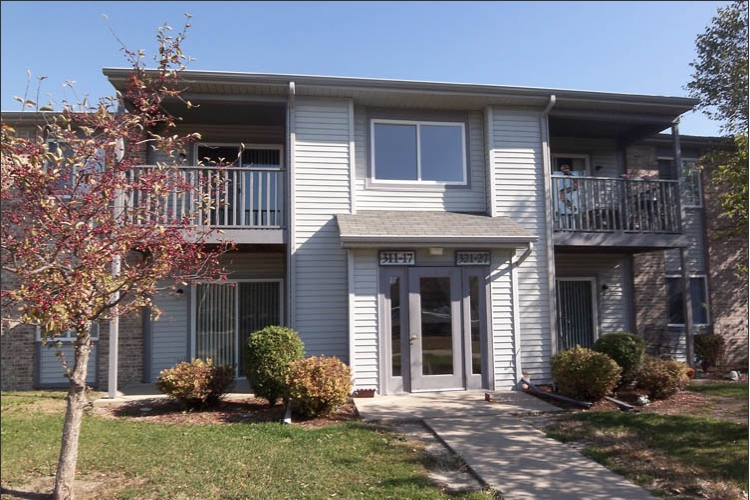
pixel 728 283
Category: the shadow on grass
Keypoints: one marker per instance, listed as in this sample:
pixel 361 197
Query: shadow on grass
pixel 26 495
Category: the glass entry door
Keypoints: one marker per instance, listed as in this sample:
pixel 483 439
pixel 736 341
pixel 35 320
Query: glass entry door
pixel 435 342
pixel 434 328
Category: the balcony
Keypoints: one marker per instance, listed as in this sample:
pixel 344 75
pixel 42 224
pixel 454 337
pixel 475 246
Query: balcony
pixel 616 212
pixel 245 203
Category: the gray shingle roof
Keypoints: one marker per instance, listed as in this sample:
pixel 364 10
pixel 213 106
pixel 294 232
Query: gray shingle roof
pixel 373 228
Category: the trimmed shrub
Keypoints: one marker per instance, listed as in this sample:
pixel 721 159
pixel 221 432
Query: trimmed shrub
pixel 627 349
pixel 661 378
pixel 318 385
pixel 196 385
pixel 584 374
pixel 709 350
pixel 268 355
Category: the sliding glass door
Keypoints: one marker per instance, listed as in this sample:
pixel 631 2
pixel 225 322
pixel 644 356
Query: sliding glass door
pixel 226 314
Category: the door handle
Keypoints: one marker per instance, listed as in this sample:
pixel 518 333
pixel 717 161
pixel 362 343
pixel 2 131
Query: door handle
pixel 413 338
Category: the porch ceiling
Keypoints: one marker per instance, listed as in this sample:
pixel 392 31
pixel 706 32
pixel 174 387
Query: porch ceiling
pixel 397 229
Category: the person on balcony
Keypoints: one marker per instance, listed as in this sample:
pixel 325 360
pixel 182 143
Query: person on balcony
pixel 567 202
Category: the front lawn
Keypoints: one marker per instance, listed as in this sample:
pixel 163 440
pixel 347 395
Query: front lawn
pixel 131 459
pixel 675 452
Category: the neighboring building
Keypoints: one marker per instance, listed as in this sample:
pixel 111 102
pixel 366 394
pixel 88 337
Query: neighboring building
pixel 719 293
pixel 422 232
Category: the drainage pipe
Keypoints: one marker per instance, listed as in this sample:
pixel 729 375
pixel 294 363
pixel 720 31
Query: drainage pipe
pixel 582 404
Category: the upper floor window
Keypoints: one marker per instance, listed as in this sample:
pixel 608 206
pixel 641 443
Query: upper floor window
pixel 74 166
pixel 690 177
pixel 418 152
pixel 239 155
pixel 691 184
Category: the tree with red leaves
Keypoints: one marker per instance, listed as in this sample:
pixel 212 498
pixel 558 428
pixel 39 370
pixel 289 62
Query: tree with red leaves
pixel 78 205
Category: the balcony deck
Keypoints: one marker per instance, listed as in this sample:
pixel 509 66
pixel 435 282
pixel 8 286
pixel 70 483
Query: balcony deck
pixel 615 212
pixel 245 203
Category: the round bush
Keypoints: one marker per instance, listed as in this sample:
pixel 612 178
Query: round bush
pixel 198 384
pixel 268 355
pixel 627 349
pixel 584 374
pixel 709 350
pixel 318 385
pixel 662 378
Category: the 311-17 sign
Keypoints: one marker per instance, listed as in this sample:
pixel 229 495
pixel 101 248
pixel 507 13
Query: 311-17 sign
pixel 391 258
pixel 472 258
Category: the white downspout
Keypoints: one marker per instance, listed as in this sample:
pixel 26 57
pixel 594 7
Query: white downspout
pixel 515 262
pixel 550 242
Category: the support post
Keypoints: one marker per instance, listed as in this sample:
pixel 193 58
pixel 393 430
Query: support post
pixel 114 337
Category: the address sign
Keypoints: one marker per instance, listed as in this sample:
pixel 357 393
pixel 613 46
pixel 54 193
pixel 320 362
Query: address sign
pixel 388 258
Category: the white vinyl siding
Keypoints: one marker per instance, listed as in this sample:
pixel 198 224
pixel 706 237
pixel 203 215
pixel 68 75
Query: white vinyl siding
pixel 169 334
pixel 51 372
pixel 469 198
pixel 321 189
pixel 502 330
pixel 519 176
pixel 365 319
pixel 609 270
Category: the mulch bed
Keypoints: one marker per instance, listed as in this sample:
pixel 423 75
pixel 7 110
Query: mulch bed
pixel 250 410
pixel 683 403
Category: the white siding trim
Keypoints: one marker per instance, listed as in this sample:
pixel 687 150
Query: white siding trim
pixel 352 310
pixel 491 162
pixel 352 162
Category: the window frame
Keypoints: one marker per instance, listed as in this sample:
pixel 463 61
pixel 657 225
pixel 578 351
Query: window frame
pixel 95 165
pixel 417 123
pixel 69 335
pixel 241 148
pixel 575 156
pixel 696 174
pixel 696 188
pixel 705 293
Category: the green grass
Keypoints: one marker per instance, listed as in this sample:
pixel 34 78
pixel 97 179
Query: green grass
pixel 732 390
pixel 709 448
pixel 228 461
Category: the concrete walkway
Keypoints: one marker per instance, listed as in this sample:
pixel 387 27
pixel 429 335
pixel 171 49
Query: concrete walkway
pixel 507 453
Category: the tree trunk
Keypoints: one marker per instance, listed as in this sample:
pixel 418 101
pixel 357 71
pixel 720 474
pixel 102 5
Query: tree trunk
pixel 66 465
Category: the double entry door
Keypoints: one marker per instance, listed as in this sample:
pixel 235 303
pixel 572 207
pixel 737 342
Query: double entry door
pixel 434 328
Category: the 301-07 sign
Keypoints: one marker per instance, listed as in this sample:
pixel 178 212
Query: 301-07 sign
pixel 472 258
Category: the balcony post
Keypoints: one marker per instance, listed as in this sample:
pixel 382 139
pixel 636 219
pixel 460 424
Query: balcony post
pixel 687 296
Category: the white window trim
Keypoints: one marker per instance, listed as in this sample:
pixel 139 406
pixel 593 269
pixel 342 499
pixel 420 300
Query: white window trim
pixel 68 336
pixel 705 291
pixel 586 158
pixel 417 123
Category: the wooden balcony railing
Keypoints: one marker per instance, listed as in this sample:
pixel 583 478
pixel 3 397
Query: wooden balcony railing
pixel 226 197
pixel 596 204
